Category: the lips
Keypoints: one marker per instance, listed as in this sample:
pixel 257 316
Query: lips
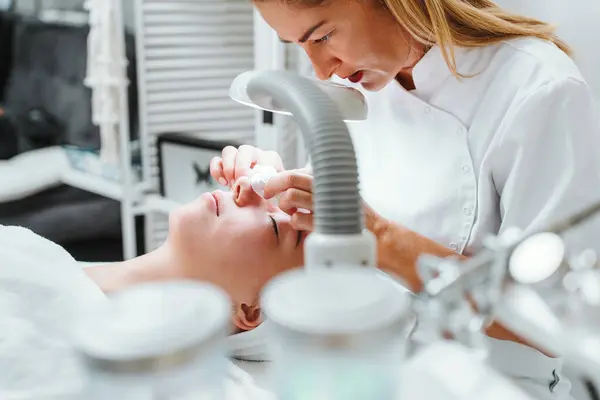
pixel 356 77
pixel 214 195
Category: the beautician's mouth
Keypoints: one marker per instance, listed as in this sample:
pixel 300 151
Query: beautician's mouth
pixel 356 77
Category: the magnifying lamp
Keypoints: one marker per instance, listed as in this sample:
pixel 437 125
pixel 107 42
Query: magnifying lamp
pixel 334 251
pixel 350 101
pixel 320 109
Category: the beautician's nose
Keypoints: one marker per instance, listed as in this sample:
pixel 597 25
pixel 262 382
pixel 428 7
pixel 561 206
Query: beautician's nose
pixel 243 195
pixel 324 63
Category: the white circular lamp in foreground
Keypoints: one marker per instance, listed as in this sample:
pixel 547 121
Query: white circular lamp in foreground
pixel 537 258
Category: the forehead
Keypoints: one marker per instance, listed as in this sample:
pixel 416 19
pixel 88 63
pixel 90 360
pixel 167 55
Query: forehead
pixel 291 21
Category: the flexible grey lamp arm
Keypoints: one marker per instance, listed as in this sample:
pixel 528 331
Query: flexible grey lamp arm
pixel 336 197
pixel 338 237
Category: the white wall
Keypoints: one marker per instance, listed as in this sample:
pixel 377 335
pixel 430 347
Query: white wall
pixel 578 23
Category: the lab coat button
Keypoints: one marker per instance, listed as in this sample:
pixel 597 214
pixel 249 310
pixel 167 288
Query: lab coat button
pixel 427 110
pixel 460 131
pixel 467 211
pixel 454 246
pixel 466 168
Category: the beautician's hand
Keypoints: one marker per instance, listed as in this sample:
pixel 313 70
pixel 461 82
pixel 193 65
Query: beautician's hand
pixel 295 187
pixel 238 162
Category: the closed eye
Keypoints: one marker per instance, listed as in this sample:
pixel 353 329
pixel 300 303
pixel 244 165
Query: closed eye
pixel 298 238
pixel 275 227
pixel 299 234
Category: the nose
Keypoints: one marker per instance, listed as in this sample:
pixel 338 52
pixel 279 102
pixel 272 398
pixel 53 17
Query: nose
pixel 243 194
pixel 323 63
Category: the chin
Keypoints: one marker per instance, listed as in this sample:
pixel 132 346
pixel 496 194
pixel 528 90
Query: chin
pixel 375 84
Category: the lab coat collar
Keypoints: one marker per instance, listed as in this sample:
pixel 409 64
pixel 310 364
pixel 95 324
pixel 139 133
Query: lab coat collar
pixel 431 71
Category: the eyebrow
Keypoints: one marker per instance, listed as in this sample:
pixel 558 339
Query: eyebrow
pixel 307 34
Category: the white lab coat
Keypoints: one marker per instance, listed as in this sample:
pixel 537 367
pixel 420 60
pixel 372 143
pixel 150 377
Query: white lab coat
pixel 458 160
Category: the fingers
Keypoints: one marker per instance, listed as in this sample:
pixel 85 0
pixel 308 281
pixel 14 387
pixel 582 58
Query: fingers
pixel 229 154
pixel 238 162
pixel 216 170
pixel 293 199
pixel 302 221
pixel 246 158
pixel 291 179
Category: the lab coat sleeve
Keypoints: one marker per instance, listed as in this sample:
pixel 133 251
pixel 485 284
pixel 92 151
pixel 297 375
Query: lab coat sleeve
pixel 546 162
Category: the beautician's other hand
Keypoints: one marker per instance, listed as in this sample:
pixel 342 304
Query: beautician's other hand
pixel 295 187
pixel 237 162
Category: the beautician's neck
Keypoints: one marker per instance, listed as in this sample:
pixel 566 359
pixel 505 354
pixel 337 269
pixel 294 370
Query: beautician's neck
pixel 405 76
pixel 406 81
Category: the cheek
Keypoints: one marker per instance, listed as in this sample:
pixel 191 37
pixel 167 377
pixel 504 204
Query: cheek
pixel 244 236
pixel 358 52
pixel 188 228
pixel 242 263
pixel 246 242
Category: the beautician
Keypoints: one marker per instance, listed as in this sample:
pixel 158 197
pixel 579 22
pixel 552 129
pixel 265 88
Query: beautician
pixel 479 121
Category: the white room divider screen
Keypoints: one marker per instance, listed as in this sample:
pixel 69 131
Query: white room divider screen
pixel 188 52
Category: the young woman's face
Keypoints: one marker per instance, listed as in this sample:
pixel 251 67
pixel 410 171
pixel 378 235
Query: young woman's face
pixel 358 40
pixel 236 240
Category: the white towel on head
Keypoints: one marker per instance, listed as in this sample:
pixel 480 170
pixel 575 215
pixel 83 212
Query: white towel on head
pixel 251 345
pixel 241 386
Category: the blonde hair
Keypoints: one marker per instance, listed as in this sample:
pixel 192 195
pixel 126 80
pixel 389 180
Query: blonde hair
pixel 466 23
pixel 458 23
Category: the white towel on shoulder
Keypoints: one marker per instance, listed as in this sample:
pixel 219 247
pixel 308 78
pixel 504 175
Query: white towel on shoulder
pixel 41 288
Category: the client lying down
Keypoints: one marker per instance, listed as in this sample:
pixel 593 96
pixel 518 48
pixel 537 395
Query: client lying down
pixel 235 240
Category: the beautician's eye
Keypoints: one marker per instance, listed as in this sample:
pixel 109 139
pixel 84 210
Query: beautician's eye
pixel 324 38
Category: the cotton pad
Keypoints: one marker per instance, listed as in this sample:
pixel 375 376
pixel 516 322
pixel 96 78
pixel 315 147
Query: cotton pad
pixel 259 177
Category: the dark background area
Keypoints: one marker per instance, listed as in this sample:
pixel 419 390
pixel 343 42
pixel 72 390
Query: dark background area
pixel 44 102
